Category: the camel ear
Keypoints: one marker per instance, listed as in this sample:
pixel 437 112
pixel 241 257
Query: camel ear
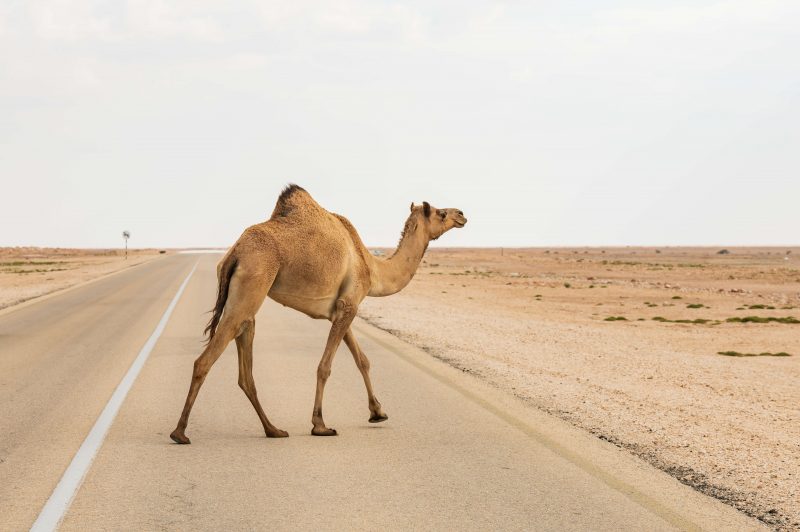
pixel 412 206
pixel 426 208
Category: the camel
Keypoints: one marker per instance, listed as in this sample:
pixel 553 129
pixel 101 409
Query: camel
pixel 313 261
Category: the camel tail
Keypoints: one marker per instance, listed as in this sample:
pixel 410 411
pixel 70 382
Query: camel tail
pixel 225 274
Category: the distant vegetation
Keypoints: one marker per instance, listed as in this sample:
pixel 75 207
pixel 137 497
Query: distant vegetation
pixel 30 263
pixel 31 266
pixel 763 319
pixel 656 265
pixel 697 321
pixel 745 319
pixel 765 354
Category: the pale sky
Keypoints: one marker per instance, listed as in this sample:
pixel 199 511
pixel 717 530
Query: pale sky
pixel 547 123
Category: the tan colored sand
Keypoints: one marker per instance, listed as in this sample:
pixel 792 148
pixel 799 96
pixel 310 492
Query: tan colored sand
pixel 29 272
pixel 532 322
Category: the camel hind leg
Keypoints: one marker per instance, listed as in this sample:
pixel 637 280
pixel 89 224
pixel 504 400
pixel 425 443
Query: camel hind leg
pixel 376 412
pixel 342 318
pixel 244 345
pixel 248 288
pixel 225 333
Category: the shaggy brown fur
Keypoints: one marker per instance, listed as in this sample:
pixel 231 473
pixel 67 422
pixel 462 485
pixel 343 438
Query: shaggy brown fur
pixel 311 260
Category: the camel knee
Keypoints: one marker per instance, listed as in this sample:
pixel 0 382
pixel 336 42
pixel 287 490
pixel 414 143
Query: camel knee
pixel 246 327
pixel 201 368
pixel 345 311
pixel 323 372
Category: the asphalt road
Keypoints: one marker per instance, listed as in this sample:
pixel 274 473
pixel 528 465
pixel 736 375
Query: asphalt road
pixel 454 454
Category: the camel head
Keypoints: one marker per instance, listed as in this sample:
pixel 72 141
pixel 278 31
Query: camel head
pixel 437 221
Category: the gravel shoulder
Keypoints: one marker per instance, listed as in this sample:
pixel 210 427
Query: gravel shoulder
pixel 535 323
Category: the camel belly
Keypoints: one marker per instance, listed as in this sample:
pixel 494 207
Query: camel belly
pixel 318 307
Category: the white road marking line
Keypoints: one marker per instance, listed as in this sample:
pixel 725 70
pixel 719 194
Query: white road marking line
pixel 57 505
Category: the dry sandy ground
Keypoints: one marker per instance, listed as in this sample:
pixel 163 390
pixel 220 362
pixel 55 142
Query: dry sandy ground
pixel 533 322
pixel 28 272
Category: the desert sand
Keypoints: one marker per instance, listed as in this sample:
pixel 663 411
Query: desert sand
pixel 537 323
pixel 30 272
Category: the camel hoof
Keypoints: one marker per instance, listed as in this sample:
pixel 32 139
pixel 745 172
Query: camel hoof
pixel 277 433
pixel 377 418
pixel 323 432
pixel 179 438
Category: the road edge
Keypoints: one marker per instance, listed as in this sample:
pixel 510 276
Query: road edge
pixel 651 488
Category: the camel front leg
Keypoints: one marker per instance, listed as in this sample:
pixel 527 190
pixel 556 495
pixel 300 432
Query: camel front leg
pixel 376 412
pixel 342 318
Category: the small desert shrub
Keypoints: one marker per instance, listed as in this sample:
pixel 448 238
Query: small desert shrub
pixel 30 263
pixel 616 318
pixel 695 305
pixel 697 321
pixel 677 297
pixel 763 319
pixel 764 354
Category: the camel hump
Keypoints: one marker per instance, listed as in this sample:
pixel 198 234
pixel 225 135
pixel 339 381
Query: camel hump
pixel 292 198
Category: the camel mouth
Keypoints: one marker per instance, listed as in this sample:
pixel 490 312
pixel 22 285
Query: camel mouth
pixel 459 224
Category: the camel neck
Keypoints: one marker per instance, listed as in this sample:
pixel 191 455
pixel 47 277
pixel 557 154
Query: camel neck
pixel 391 275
